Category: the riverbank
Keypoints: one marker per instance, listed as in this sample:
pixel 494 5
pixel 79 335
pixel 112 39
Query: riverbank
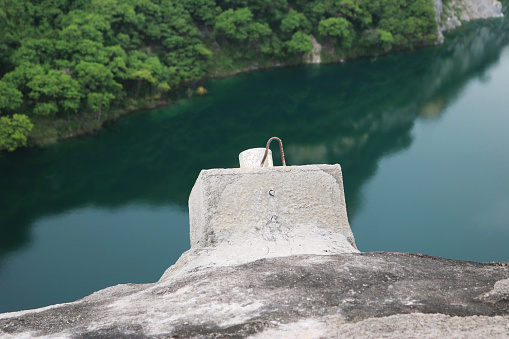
pixel 228 58
pixel 48 131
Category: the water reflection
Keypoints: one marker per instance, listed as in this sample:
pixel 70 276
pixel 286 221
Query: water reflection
pixel 354 114
pixel 83 250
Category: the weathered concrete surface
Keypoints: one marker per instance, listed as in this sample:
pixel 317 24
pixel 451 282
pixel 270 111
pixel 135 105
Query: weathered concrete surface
pixel 314 296
pixel 240 215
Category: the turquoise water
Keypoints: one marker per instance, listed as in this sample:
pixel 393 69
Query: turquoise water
pixel 421 138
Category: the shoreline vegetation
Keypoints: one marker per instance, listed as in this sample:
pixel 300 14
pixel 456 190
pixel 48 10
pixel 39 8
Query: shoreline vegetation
pixel 68 67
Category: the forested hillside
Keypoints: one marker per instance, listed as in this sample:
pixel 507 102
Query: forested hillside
pixel 67 66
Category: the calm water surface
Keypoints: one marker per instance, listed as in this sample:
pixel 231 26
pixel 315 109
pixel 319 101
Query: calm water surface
pixel 421 136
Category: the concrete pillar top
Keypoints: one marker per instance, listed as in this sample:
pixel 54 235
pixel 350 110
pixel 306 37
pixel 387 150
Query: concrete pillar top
pixel 244 214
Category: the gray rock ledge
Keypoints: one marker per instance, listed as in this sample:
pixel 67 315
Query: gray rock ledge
pixel 317 296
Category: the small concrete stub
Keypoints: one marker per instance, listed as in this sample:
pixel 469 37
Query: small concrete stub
pixel 253 158
pixel 253 213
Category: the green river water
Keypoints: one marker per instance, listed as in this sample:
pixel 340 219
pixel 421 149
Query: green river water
pixel 422 138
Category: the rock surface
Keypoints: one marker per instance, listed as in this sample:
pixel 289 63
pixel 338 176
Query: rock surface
pixel 450 15
pixel 314 57
pixel 314 296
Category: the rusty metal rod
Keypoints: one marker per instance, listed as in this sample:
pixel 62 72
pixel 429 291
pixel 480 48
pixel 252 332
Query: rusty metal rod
pixel 280 148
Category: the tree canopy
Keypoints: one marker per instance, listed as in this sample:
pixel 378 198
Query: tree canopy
pixel 65 63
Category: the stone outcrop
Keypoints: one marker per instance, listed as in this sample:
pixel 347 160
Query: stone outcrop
pixel 273 256
pixel 451 14
pixel 314 57
pixel 314 296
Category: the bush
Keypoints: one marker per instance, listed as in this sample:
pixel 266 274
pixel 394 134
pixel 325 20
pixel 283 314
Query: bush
pixel 14 131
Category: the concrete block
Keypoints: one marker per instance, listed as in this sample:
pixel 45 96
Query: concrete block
pixel 273 211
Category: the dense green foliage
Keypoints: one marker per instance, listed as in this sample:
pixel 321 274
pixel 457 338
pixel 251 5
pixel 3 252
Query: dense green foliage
pixel 69 65
pixel 14 131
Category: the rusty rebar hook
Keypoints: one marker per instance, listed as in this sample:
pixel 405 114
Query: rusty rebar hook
pixel 280 148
